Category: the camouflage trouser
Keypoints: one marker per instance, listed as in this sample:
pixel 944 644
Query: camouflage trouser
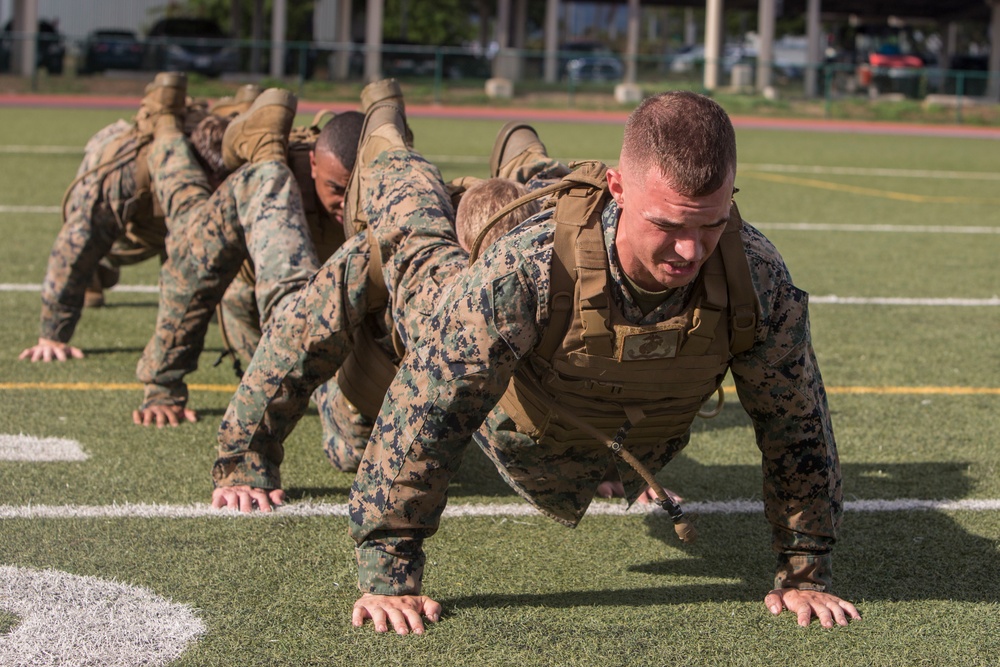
pixel 303 345
pixel 256 212
pixel 239 319
pixel 345 430
pixel 534 170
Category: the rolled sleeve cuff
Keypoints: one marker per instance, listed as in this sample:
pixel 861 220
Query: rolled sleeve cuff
pixel 812 572
pixel 175 394
pixel 246 468
pixel 382 573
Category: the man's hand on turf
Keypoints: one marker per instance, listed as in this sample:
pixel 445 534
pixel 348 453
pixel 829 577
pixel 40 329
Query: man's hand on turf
pixel 405 612
pixel 244 498
pixel 826 607
pixel 51 350
pixel 163 415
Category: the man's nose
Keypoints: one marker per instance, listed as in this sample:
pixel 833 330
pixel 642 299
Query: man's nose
pixel 688 246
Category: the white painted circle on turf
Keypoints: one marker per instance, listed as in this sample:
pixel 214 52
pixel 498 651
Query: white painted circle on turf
pixel 29 448
pixel 64 619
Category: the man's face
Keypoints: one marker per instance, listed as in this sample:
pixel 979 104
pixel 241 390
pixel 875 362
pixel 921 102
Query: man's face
pixel 665 237
pixel 330 178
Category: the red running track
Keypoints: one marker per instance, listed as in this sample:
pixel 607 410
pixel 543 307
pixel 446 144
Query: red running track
pixel 542 115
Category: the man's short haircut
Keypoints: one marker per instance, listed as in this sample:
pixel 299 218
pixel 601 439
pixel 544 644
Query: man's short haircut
pixel 206 139
pixel 481 201
pixel 340 137
pixel 687 137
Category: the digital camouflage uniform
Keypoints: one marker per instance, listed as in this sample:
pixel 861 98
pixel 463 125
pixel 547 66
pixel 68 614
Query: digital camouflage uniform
pixel 96 219
pixel 317 331
pixel 257 213
pixel 488 324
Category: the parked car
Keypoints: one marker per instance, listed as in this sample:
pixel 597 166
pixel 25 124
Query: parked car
pixel 49 52
pixel 110 48
pixel 592 59
pixel 190 45
pixel 401 58
pixel 594 68
pixel 691 57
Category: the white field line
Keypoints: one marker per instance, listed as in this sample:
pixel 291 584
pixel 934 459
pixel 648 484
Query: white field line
pixel 47 210
pixel 64 619
pixel 873 171
pixel 29 448
pixel 897 229
pixel 900 301
pixel 34 287
pixel 766 167
pixel 824 299
pixel 599 508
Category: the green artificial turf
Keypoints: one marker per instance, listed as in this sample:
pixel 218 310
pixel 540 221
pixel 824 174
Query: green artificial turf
pixel 521 589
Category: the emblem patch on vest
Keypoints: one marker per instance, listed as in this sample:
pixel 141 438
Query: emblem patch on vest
pixel 648 345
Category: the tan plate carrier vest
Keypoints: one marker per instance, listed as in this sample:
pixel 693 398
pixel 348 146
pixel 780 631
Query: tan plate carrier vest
pixel 593 365
pixel 141 215
pixel 583 366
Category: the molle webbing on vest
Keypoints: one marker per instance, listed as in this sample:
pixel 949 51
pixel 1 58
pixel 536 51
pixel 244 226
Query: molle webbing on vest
pixel 594 365
pixel 367 372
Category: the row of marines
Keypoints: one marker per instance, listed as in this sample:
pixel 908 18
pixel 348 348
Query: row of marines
pixel 571 321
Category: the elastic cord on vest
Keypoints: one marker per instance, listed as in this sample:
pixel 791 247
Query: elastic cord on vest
pixel 682 525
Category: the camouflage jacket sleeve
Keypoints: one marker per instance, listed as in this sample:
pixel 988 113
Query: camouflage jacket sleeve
pixel 303 346
pixel 93 222
pixel 780 386
pixel 86 236
pixel 487 321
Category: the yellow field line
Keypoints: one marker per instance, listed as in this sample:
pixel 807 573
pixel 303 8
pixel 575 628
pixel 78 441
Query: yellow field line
pixel 105 386
pixel 871 192
pixel 230 388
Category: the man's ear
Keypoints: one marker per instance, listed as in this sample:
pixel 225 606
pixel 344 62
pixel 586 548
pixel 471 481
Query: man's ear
pixel 312 163
pixel 616 186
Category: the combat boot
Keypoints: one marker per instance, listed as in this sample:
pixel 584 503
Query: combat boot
pixel 386 91
pixel 163 104
pixel 384 129
pixel 516 144
pixel 227 107
pixel 261 134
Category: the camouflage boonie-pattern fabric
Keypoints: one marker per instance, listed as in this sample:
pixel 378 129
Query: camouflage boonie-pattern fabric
pixel 249 454
pixel 303 345
pixel 239 319
pixel 489 322
pixel 94 221
pixel 257 213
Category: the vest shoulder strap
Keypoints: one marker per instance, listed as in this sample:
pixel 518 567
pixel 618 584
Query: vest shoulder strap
pixel 578 208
